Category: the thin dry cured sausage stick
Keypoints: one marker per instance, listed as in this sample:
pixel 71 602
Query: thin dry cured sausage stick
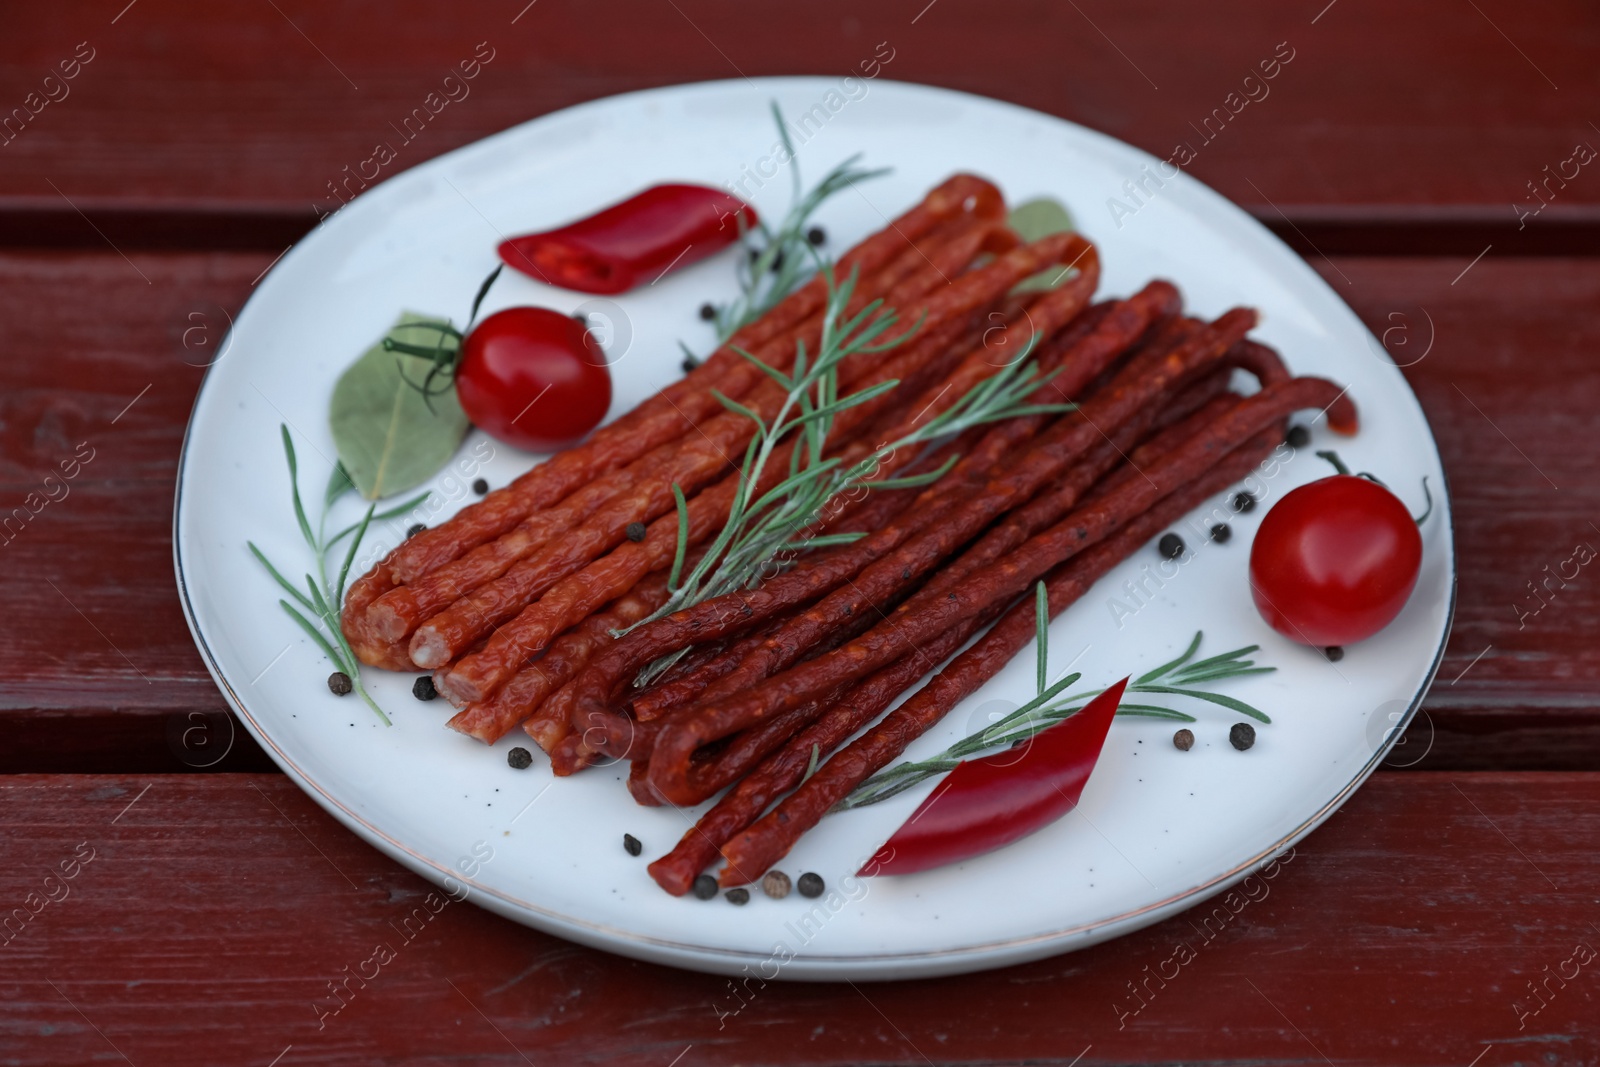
pixel 394 615
pixel 783 770
pixel 1112 332
pixel 609 504
pixel 666 415
pixel 517 699
pixel 749 853
pixel 694 463
pixel 369 648
pixel 921 617
pixel 476 677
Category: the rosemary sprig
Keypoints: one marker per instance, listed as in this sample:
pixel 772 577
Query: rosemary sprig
pixel 1180 677
pixel 778 525
pixel 777 259
pixel 321 597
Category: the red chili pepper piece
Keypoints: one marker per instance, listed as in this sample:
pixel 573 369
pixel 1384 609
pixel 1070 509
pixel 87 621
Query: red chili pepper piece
pixel 635 241
pixel 986 803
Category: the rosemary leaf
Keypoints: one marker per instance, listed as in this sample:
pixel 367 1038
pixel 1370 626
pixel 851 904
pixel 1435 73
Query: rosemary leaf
pixel 683 536
pixel 350 556
pixel 1167 667
pixel 1215 698
pixel 1041 620
pixel 288 586
pixel 316 635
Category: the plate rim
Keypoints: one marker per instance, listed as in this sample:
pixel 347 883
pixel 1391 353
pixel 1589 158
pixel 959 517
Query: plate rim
pixel 814 967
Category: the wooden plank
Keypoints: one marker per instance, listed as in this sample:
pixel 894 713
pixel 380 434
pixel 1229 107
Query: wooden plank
pixel 215 911
pixel 105 665
pixel 1499 353
pixel 1382 107
pixel 1506 385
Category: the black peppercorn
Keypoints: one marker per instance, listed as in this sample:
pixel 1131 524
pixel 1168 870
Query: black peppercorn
pixel 480 486
pixel 777 262
pixel 708 312
pixel 1170 546
pixel 520 759
pixel 635 531
pixel 1242 736
pixel 738 896
pixel 1183 740
pixel 816 235
pixel 416 529
pixel 810 884
pixel 423 688
pixel 1334 653
pixel 631 845
pixel 689 363
pixel 581 319
pixel 705 887
pixel 1244 501
pixel 339 682
pixel 1298 437
pixel 1221 533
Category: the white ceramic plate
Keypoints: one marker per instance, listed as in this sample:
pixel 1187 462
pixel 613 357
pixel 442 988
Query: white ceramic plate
pixel 1157 830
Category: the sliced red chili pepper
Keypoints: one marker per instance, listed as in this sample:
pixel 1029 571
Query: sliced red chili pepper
pixel 986 803
pixel 635 241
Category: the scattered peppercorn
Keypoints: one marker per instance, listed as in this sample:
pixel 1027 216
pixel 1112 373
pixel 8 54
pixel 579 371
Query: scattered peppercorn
pixel 635 531
pixel 1183 740
pixel 810 884
pixel 339 682
pixel 1334 653
pixel 816 235
pixel 1298 437
pixel 416 529
pixel 708 311
pixel 519 758
pixel 480 486
pixel 581 317
pixel 705 887
pixel 1244 501
pixel 775 884
pixel 1170 546
pixel 1221 533
pixel 423 688
pixel 1242 736
pixel 631 844
pixel 777 262
pixel 738 896
pixel 689 363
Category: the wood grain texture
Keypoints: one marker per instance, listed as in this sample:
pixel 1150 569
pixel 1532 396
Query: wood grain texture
pixel 216 910
pixel 260 106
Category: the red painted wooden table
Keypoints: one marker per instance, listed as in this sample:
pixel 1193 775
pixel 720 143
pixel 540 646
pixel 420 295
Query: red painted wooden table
pixel 155 159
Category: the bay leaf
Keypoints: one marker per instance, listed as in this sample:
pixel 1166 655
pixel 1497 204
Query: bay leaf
pixel 387 437
pixel 1032 220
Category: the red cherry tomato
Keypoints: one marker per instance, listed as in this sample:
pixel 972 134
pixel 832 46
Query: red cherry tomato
pixel 1334 561
pixel 533 378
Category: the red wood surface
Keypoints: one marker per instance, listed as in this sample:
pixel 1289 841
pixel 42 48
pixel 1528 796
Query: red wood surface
pixel 106 665
pixel 216 910
pixel 1383 108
